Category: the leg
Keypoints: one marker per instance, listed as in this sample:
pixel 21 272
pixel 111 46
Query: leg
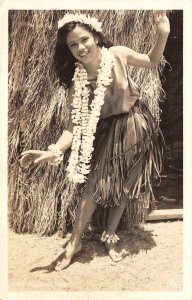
pixel 115 214
pixel 84 213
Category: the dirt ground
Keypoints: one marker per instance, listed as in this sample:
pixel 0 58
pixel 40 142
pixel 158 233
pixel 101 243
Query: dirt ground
pixel 154 262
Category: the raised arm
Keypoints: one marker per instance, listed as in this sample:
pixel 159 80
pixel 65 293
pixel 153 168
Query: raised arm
pixel 153 57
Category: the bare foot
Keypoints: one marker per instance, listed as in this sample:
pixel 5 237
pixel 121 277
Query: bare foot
pixel 67 256
pixel 115 252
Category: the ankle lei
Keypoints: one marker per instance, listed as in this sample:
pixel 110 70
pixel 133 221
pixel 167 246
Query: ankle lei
pixel 113 238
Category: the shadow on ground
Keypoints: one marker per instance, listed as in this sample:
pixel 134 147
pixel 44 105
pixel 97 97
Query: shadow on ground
pixel 132 241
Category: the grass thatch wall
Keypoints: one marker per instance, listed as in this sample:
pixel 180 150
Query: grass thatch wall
pixel 38 109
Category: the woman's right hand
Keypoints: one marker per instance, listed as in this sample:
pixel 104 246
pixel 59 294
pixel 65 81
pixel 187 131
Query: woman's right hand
pixel 36 156
pixel 162 22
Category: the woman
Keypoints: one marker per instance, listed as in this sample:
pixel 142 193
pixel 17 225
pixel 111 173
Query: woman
pixel 115 153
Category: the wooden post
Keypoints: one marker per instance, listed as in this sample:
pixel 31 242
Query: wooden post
pixel 165 214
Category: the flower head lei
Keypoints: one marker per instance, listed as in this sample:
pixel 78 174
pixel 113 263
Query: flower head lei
pixel 85 119
pixel 80 18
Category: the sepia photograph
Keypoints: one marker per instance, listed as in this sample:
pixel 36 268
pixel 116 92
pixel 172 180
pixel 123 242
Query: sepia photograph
pixel 98 150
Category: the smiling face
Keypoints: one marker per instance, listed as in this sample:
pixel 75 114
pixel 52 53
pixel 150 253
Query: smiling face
pixel 82 44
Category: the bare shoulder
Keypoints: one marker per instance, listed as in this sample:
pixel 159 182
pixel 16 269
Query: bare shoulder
pixel 121 50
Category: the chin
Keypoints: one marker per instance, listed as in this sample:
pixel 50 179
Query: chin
pixel 86 60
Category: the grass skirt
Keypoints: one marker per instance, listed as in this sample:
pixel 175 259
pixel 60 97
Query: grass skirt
pixel 127 161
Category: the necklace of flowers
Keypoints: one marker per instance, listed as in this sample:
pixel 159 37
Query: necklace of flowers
pixel 85 120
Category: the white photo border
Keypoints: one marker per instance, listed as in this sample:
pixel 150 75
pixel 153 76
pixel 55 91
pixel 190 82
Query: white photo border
pixel 186 6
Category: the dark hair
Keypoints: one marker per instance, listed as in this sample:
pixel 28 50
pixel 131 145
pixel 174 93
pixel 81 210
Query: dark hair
pixel 63 60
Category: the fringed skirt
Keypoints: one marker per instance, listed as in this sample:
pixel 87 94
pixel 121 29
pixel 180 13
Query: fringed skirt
pixel 127 161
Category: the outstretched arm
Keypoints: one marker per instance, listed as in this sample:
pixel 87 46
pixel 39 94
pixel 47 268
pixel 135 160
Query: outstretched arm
pixel 153 57
pixel 64 142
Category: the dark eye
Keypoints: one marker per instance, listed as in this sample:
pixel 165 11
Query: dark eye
pixel 72 45
pixel 85 39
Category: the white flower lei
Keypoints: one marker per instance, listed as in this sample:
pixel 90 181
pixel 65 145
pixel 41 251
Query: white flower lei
pixel 86 121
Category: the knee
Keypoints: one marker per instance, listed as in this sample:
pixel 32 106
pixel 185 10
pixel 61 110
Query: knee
pixel 87 200
pixel 123 203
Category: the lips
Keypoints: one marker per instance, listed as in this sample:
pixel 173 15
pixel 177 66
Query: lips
pixel 83 54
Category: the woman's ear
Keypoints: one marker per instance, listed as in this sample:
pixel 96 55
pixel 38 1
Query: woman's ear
pixel 96 41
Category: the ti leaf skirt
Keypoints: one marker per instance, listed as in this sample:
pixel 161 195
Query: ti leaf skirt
pixel 127 161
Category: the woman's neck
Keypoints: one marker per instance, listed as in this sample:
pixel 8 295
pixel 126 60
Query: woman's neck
pixel 93 66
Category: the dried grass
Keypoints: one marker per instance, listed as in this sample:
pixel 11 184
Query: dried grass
pixel 38 109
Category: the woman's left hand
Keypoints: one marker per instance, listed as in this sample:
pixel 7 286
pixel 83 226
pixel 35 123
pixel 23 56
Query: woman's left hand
pixel 35 156
pixel 162 22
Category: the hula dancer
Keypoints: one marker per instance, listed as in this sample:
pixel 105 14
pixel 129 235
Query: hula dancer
pixel 116 146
